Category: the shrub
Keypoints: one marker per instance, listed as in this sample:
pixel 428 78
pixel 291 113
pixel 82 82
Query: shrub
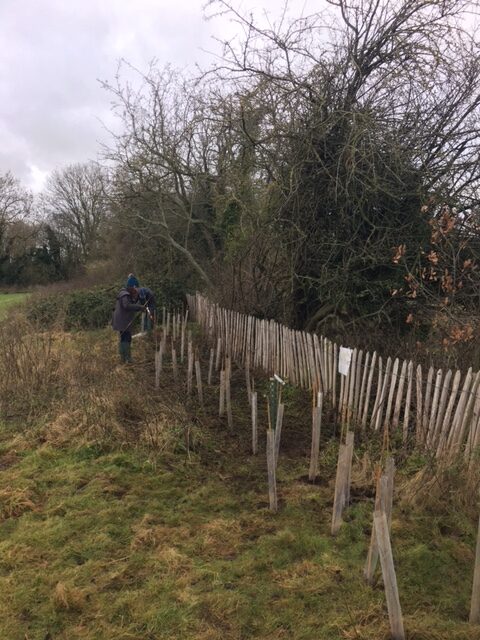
pixel 89 309
pixel 93 308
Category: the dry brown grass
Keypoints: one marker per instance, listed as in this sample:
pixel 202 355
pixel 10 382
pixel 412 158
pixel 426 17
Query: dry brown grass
pixel 75 385
pixel 305 575
pixel 68 598
pixel 439 487
pixel 220 538
pixel 30 364
pixel 14 502
pixel 148 533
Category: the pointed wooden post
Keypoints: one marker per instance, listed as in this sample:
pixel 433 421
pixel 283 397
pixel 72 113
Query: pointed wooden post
pixel 189 367
pixel 221 399
pixel 198 373
pixel 408 400
pixel 182 341
pixel 210 367
pixel 475 602
pixel 383 502
pixel 159 363
pixel 218 355
pixel 316 428
pixel 339 497
pixel 247 378
pixel 389 577
pixel 419 422
pixel 348 464
pixel 372 556
pixel 271 466
pixel 342 489
pixel 254 423
pixel 174 363
pixel 228 395
pixel 278 429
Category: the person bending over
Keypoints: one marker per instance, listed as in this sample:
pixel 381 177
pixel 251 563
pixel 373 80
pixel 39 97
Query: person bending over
pixel 126 308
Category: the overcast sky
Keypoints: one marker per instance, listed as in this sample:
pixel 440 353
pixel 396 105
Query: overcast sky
pixel 52 53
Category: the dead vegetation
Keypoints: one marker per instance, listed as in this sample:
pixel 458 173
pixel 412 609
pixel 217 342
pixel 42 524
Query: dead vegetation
pixel 69 388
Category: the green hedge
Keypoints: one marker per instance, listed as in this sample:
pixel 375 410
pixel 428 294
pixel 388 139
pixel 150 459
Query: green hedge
pixel 92 308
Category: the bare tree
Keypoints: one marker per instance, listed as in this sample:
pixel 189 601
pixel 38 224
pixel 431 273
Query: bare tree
pixel 369 127
pixel 75 204
pixel 165 162
pixel 15 204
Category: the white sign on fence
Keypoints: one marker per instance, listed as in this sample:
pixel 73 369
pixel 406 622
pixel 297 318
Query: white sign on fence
pixel 344 359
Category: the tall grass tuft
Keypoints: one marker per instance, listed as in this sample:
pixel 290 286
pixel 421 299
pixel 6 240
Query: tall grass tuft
pixel 30 366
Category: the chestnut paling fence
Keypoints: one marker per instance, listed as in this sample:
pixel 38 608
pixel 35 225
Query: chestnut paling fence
pixel 439 409
pixel 434 409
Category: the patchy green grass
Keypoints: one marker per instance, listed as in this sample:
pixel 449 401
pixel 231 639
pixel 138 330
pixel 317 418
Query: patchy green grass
pixel 108 544
pixel 103 540
pixel 9 301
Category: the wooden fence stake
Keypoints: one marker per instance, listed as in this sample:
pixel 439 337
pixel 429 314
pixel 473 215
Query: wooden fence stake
pixel 383 397
pixel 247 377
pixel 351 388
pixel 342 481
pixel 473 435
pixel 408 401
pixel 335 373
pixel 174 363
pixel 219 353
pixel 316 428
pixel 198 373
pixel 383 502
pixel 159 364
pixel 182 342
pixel 254 423
pixel 189 368
pixel 434 407
pixel 390 473
pixel 386 424
pixel 349 457
pixel 399 396
pixel 426 404
pixel 419 424
pixel 228 389
pixel 372 556
pixel 373 416
pixel 475 603
pixel 210 368
pixel 389 577
pixel 221 401
pixel 278 429
pixel 358 381
pixel 448 413
pixel 367 394
pixel 271 466
pixel 362 388
pixel 339 498
pixel 456 435
pixel 437 429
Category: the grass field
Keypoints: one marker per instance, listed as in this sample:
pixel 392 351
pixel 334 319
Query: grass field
pixel 119 540
pixel 9 300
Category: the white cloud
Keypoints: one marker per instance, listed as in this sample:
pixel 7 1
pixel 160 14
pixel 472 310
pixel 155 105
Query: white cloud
pixel 52 54
pixel 38 178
